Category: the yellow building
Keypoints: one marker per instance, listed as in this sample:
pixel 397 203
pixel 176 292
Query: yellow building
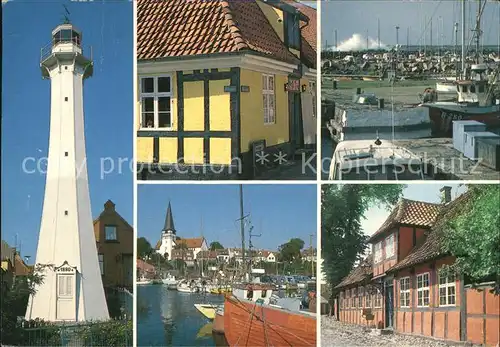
pixel 219 81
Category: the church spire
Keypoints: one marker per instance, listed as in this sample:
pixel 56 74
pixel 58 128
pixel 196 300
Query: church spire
pixel 169 220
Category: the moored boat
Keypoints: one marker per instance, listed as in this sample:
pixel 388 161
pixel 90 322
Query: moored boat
pixel 143 281
pixel 208 310
pixel 249 323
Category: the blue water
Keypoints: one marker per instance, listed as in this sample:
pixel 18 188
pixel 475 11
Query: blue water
pixel 169 318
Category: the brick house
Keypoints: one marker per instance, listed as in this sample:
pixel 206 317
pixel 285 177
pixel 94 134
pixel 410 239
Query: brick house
pixel 402 284
pixel 115 247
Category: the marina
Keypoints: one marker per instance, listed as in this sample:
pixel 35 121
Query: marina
pixel 192 292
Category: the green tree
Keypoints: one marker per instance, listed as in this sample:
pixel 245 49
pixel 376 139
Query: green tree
pixel 215 246
pixel 290 251
pixel 473 234
pixel 14 303
pixel 342 210
pixel 144 248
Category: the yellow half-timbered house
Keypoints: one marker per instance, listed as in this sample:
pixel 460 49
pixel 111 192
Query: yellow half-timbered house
pixel 219 80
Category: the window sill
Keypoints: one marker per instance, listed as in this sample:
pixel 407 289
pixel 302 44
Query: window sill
pixel 111 241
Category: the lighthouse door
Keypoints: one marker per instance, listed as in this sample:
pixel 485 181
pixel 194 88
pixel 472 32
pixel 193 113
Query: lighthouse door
pixel 65 290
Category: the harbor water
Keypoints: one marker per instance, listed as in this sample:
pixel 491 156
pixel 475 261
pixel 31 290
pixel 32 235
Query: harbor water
pixel 169 318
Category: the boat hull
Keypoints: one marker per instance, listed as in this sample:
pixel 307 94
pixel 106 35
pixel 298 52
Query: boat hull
pixel 249 324
pixel 218 326
pixel 207 310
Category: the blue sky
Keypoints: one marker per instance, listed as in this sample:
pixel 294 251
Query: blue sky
pixel 278 212
pixel 351 17
pixel 108 107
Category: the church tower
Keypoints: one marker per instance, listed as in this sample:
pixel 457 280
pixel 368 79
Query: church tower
pixel 168 235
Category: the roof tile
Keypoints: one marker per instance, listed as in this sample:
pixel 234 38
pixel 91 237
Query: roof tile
pixel 174 28
pixel 410 212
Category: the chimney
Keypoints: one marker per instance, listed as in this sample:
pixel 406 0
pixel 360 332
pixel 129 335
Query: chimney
pixel 445 194
pixel 109 206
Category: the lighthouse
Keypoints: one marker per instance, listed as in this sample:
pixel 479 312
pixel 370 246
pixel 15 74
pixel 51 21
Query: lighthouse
pixel 168 235
pixel 66 256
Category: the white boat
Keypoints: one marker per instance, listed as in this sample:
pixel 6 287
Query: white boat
pixel 363 160
pixel 184 287
pixel 143 281
pixel 170 281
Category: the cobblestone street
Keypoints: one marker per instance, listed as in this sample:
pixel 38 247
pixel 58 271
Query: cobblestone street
pixel 335 333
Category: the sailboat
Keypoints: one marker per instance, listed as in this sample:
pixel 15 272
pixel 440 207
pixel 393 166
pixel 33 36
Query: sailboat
pixel 253 316
pixel 474 88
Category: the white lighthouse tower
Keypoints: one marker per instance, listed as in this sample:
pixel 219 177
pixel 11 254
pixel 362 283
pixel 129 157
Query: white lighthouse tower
pixel 72 287
pixel 168 235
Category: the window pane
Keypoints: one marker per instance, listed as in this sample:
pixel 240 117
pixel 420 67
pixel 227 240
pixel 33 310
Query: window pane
pixel 61 285
pixel 148 120
pixel 164 120
pixel 69 286
pixel 164 85
pixel 66 35
pixel 264 82
pixel 110 232
pixel 147 85
pixel 148 105
pixel 271 83
pixel 164 104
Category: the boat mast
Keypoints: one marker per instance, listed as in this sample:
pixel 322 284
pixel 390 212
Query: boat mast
pixel 463 40
pixel 478 32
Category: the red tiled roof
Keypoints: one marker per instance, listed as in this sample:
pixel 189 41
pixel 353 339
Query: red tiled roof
pixel 409 212
pixel 196 242
pixel 362 272
pixel 432 247
pixel 142 265
pixel 175 28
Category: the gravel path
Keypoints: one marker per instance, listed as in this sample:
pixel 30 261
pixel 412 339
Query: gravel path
pixel 335 333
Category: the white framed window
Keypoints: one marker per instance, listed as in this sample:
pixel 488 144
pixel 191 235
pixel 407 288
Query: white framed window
pixel 65 286
pixel 368 299
pixel 377 252
pixel 156 102
pixel 378 299
pixel 101 263
pixel 354 292
pixel 423 291
pixel 110 232
pixel 269 99
pixel 360 297
pixel 389 246
pixel 404 292
pixel 447 289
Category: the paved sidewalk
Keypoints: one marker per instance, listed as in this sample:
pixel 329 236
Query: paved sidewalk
pixel 335 333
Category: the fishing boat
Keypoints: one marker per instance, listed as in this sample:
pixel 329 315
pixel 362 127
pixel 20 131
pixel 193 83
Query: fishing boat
pixel 208 310
pixel 374 160
pixel 254 323
pixel 143 281
pixel 475 90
